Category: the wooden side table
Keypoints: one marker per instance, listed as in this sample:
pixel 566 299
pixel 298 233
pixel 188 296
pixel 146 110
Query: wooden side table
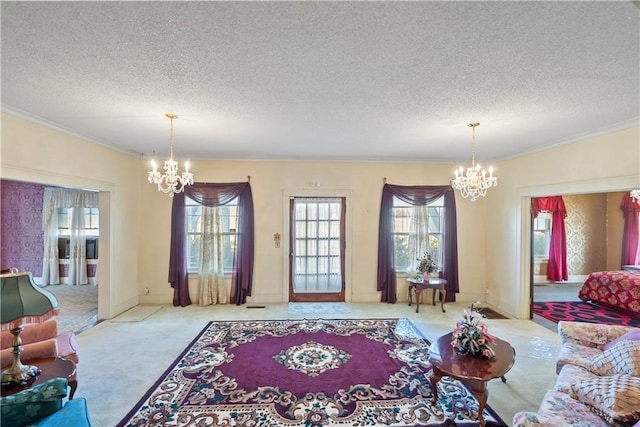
pixel 50 367
pixel 473 371
pixel 436 284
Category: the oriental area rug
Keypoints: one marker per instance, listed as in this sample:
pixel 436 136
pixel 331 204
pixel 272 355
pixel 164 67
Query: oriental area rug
pixel 318 372
pixel 584 312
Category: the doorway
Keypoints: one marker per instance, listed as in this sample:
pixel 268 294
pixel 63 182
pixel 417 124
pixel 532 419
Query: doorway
pixel 317 249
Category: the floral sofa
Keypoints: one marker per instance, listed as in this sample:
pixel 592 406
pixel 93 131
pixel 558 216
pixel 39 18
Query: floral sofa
pixel 598 382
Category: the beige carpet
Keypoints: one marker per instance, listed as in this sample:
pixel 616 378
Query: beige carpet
pixel 120 361
pixel 137 313
pixel 78 306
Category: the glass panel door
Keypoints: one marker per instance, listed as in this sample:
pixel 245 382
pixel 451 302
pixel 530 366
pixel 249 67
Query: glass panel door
pixel 316 271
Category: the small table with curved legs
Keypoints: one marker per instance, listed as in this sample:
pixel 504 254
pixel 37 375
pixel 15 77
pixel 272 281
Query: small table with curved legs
pixel 418 284
pixel 473 371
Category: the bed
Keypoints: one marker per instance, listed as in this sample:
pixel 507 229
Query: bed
pixel 617 289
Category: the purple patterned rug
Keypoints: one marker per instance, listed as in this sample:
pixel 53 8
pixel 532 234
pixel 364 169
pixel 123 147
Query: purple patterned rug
pixel 348 372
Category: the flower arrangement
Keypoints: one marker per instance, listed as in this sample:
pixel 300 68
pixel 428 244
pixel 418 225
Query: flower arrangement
pixel 471 335
pixel 427 264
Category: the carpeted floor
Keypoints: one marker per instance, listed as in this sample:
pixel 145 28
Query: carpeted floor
pixel 584 312
pixel 309 372
pixel 78 306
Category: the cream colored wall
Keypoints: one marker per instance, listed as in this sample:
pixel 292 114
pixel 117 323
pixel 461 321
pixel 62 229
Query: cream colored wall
pixel 272 183
pixel 34 153
pixel 615 229
pixel 600 164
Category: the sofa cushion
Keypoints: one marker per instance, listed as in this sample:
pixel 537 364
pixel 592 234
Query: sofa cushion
pixel 633 335
pixel 576 354
pixel 615 398
pixel 622 358
pixel 561 406
pixel 36 350
pixel 569 375
pixel 31 333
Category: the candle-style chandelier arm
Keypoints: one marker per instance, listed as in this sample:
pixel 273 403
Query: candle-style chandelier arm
pixel 171 181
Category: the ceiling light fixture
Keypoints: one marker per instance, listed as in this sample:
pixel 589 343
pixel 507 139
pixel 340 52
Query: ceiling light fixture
pixel 170 182
pixel 635 194
pixel 475 182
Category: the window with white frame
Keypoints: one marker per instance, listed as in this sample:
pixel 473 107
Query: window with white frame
pixel 91 231
pixel 407 220
pixel 228 234
pixel 541 235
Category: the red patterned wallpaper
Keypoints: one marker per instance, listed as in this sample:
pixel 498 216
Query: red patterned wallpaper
pixel 21 235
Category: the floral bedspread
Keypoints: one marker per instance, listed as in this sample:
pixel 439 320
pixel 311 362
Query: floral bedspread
pixel 619 289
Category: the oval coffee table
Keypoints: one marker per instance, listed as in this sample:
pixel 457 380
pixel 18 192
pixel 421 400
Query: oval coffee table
pixel 473 371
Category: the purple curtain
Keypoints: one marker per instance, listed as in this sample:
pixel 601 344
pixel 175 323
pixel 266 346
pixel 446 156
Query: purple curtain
pixel 416 196
pixel 631 212
pixel 213 195
pixel 557 269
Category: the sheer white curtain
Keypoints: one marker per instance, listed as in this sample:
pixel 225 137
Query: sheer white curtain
pixel 77 248
pixel 211 283
pixel 418 236
pixel 50 269
pixel 55 198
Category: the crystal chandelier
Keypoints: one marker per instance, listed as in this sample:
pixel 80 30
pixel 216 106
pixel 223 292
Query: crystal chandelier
pixel 635 194
pixel 170 182
pixel 475 182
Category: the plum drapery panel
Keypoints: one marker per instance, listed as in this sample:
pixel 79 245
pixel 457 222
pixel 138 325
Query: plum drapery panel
pixel 630 244
pixel 53 199
pixel 557 269
pixel 213 195
pixel 416 196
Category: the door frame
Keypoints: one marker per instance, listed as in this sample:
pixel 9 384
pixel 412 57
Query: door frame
pixel 286 235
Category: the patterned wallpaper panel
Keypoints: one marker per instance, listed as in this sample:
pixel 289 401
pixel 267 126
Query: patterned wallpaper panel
pixel 586 226
pixel 21 235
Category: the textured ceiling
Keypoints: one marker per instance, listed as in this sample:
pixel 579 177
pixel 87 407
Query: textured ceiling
pixel 396 81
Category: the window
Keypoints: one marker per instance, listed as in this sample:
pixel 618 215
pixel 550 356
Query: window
pixel 91 231
pixel 417 229
pixel 541 235
pixel 91 221
pixel 228 234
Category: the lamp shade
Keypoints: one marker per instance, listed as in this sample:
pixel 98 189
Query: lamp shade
pixel 22 301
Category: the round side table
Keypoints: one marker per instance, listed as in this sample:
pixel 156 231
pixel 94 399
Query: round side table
pixel 50 367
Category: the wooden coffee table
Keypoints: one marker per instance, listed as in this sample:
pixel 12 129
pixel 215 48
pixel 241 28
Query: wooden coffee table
pixel 50 367
pixel 435 284
pixel 473 371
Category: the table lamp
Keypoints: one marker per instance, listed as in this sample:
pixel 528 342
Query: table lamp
pixel 22 301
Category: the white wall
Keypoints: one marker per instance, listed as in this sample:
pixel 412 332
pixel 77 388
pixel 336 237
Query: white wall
pixel 34 153
pixel 600 164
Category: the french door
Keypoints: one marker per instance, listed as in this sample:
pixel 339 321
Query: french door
pixel 316 249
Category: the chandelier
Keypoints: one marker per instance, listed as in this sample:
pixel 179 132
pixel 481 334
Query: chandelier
pixel 474 182
pixel 170 182
pixel 635 194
